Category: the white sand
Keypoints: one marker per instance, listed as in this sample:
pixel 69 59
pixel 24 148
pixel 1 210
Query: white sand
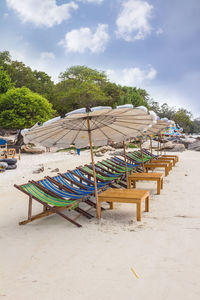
pixel 51 259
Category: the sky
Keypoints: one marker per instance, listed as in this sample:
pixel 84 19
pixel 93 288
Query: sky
pixel 152 44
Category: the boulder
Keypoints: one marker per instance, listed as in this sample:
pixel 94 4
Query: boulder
pixel 195 146
pixel 178 148
pixel 55 170
pixel 104 149
pixel 32 150
pixel 117 145
pixel 187 141
pixel 117 153
pixel 98 154
pixel 169 145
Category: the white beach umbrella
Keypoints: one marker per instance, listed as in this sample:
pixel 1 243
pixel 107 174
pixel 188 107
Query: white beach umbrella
pixel 157 127
pixel 94 127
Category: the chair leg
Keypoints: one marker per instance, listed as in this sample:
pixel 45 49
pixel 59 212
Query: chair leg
pixel 30 207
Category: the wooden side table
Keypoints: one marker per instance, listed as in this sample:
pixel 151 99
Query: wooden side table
pixel 171 156
pixel 164 160
pixel 125 196
pixel 152 166
pixel 147 177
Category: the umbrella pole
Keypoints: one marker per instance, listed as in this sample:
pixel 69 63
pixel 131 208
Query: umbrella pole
pixel 151 145
pixel 141 150
pixel 126 170
pixel 94 173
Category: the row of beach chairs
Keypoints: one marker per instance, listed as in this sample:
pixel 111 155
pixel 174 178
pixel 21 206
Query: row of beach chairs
pixel 70 190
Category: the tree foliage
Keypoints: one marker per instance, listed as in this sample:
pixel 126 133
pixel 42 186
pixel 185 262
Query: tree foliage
pixel 5 81
pixel 22 75
pixel 79 86
pixel 20 108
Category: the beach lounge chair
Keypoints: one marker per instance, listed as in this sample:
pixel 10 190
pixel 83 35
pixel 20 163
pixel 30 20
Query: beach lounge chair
pixel 52 203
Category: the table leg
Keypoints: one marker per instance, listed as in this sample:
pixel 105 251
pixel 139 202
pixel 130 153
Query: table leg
pixel 129 184
pixel 158 186
pixel 166 171
pixel 147 204
pixel 134 184
pixel 139 211
pixel 111 205
pixel 162 183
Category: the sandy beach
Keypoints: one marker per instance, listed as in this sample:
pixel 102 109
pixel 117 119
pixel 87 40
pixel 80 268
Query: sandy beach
pixel 51 259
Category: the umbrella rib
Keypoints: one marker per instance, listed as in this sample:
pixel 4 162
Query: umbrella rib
pixel 69 132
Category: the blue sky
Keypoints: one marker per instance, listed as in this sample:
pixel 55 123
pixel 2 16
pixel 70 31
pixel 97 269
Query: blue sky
pixel 152 44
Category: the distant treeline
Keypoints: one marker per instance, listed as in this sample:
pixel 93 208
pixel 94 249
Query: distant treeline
pixel 28 96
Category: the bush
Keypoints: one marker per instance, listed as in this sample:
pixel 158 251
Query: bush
pixel 20 108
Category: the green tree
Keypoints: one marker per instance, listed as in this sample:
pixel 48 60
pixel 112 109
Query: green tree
pixel 5 81
pixel 196 126
pixel 166 111
pixel 22 75
pixel 134 96
pixel 154 105
pixel 20 108
pixel 183 118
pixel 81 87
pixel 83 73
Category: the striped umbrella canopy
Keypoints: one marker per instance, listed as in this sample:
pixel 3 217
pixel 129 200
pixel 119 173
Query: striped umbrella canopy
pixel 93 126
pixel 173 131
pixel 156 128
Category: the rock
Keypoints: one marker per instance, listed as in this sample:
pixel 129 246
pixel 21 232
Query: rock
pixel 104 149
pixel 55 170
pixel 178 148
pixel 117 145
pixel 118 153
pixel 195 146
pixel 32 150
pixel 98 154
pixel 187 141
pixel 169 145
pixel 39 170
pixel 72 152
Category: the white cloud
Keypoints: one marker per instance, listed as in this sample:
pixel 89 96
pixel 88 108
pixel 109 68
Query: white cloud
pixel 132 76
pixel 91 1
pixel 159 31
pixel 133 21
pixel 47 55
pixel 42 12
pixel 84 39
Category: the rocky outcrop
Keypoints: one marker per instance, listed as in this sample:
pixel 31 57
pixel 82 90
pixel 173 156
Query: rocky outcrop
pixel 194 146
pixel 187 141
pixel 177 148
pixel 100 151
pixel 117 145
pixel 32 150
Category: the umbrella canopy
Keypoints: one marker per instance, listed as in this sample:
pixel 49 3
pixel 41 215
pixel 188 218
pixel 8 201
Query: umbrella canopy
pixel 173 131
pixel 158 126
pixel 82 128
pixel 105 123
